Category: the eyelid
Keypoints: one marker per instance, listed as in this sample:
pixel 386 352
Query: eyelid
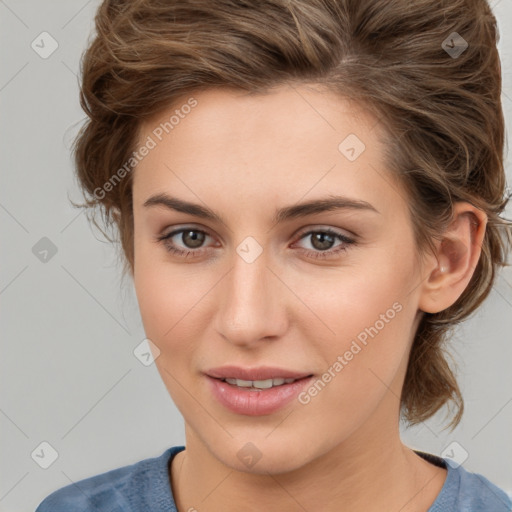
pixel 331 253
pixel 165 236
pixel 185 227
pixel 331 229
pixel 346 241
pixel 312 228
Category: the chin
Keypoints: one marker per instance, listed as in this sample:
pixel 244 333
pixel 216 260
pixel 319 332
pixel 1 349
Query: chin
pixel 263 456
pixel 285 461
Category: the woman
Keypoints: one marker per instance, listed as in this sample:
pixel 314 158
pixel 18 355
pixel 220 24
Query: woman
pixel 308 197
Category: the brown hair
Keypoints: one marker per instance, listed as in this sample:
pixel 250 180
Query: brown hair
pixel 442 112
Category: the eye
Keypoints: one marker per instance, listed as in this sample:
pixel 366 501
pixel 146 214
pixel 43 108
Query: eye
pixel 322 241
pixel 188 242
pixel 191 238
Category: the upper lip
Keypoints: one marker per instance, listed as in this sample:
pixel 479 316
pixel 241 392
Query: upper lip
pixel 259 373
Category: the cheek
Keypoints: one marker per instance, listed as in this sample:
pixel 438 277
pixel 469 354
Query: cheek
pixel 353 299
pixel 166 293
pixel 168 300
pixel 363 360
pixel 173 301
pixel 366 314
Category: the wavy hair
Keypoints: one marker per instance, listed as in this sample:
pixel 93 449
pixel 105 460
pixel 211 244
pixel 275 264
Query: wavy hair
pixel 399 58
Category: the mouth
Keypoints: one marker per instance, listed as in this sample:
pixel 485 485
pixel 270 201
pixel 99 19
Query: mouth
pixel 258 391
pixel 258 385
pixel 262 377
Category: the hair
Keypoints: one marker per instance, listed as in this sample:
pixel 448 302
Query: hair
pixel 442 114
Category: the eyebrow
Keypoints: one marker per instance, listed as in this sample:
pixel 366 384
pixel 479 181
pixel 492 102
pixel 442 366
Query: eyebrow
pixel 329 203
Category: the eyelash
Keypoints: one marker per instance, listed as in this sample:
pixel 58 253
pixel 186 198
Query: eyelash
pixel 347 242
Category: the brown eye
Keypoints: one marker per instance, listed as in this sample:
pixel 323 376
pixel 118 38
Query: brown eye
pixel 192 238
pixel 322 242
pixel 184 242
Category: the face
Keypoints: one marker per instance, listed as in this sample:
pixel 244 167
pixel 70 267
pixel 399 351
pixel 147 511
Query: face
pixel 251 277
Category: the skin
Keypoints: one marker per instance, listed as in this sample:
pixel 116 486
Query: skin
pixel 244 156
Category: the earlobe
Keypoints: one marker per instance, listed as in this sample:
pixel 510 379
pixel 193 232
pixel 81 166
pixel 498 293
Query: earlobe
pixel 455 260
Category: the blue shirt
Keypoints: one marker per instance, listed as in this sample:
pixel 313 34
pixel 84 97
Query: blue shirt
pixel 144 486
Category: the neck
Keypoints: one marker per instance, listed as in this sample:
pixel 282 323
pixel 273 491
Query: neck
pixel 368 472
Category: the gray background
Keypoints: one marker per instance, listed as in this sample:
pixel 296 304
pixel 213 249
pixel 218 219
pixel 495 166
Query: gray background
pixel 68 373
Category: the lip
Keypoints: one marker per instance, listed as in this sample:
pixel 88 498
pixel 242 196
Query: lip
pixel 251 402
pixel 259 373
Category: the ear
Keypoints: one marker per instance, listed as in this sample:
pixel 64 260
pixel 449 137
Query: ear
pixel 450 269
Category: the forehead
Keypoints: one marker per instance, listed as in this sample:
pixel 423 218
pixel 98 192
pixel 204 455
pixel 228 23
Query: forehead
pixel 301 139
pixel 220 111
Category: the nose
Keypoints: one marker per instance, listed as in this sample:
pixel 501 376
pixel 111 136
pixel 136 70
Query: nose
pixel 252 303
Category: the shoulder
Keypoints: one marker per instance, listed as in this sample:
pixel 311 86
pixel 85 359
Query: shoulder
pixel 135 487
pixel 477 493
pixel 465 491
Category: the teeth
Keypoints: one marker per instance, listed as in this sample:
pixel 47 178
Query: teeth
pixel 260 384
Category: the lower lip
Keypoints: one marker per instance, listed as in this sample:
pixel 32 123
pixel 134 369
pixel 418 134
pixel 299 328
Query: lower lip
pixel 256 403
